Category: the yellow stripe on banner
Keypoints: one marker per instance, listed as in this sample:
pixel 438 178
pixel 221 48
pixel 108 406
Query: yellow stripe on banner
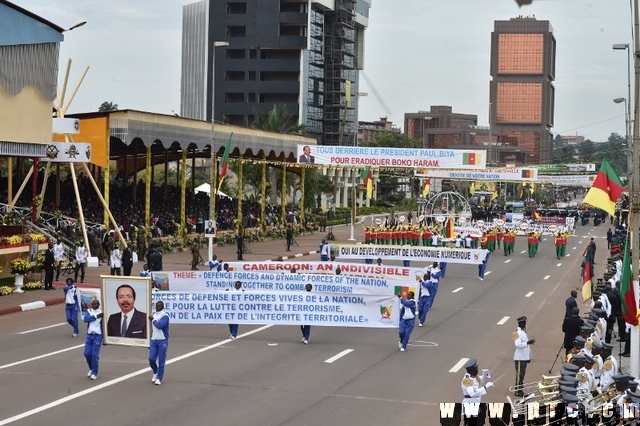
pixel 586 291
pixel 599 198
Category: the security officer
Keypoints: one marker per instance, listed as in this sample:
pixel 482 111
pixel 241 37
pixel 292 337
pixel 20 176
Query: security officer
pixel 609 367
pixel 596 348
pixel 522 354
pixel 473 387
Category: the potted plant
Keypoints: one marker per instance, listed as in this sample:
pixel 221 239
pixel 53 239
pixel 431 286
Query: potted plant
pixel 19 268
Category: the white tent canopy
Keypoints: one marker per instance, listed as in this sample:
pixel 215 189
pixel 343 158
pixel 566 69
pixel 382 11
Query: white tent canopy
pixel 205 187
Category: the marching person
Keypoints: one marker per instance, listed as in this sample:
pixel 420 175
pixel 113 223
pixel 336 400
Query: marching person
pixel 324 251
pixel 407 319
pixel 289 237
pixel 482 267
pixel 72 302
pixel 306 329
pixel 424 294
pixel 145 271
pixel 159 342
pixel 473 387
pixel 81 261
pixel 93 342
pixel 214 265
pixel 233 328
pixel 522 354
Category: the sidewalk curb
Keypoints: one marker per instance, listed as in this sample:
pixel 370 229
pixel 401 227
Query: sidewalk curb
pixel 31 306
pixel 282 258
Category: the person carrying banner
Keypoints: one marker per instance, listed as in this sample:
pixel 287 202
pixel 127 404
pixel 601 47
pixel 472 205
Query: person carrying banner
pixel 482 267
pixel 558 241
pixel 531 242
pixel 233 328
pixel 324 251
pixel 306 329
pixel 424 294
pixel 72 302
pixel 159 342
pixel 93 341
pixel 407 319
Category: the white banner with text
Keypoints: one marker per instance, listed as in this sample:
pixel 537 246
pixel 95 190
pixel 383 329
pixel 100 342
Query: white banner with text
pixel 419 254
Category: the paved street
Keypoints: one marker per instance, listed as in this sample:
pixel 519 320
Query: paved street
pixel 267 377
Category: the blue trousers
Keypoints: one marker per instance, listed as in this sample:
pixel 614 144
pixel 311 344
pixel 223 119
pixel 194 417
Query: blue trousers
pixel 406 327
pixel 233 329
pixel 423 302
pixel 158 351
pixel 92 346
pixel 306 331
pixel 443 269
pixel 368 261
pixel 406 263
pixel 324 257
pixel 72 316
pixel 481 268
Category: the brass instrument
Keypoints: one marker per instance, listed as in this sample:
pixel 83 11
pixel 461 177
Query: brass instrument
pixel 546 381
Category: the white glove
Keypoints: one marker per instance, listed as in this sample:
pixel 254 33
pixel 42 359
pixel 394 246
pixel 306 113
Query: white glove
pixel 488 385
pixel 485 374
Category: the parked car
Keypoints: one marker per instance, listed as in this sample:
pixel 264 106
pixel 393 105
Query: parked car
pixel 384 203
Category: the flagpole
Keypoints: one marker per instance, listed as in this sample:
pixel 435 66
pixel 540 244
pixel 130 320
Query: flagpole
pixel 353 209
pixel 635 186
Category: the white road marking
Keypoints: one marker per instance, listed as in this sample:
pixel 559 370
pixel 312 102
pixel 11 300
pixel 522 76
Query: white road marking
pixel 546 277
pixel 457 289
pixel 42 328
pixel 568 255
pixel 559 264
pixel 503 320
pixel 487 273
pixel 459 365
pixel 338 356
pixel 120 379
pixel 2 367
pixel 573 248
pixel 529 294
pixel 523 252
pixel 507 261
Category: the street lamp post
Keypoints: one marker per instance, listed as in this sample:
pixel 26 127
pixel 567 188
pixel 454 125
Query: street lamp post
pixel 626 129
pixel 213 194
pixel 490 136
pixel 624 46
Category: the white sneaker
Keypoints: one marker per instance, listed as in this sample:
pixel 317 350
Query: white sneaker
pixel 89 373
pixel 420 325
pixel 157 382
pixel 306 342
pixel 154 378
pixel 399 344
pixel 93 377
pixel 75 334
pixel 232 337
pixel 481 279
pixel 401 349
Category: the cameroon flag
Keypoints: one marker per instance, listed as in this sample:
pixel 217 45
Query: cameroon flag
pixel 471 159
pixel 627 294
pixel 404 290
pixel 526 174
pixel 586 282
pixel 426 187
pixel 367 176
pixel 605 190
pixel 472 188
pixel 224 164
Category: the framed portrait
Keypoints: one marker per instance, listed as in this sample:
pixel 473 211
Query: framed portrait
pixel 210 228
pixel 126 304
pixel 33 253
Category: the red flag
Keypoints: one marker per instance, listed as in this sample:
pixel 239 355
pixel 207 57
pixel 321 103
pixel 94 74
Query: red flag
pixel 224 163
pixel 586 282
pixel 627 294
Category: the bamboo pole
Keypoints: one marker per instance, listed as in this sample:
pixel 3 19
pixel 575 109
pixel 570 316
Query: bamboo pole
pixel 24 183
pixel 183 191
pixel 105 205
pixel 263 191
pixel 302 176
pixel 147 197
pixel 240 164
pixel 47 170
pixel 283 194
pixel 80 212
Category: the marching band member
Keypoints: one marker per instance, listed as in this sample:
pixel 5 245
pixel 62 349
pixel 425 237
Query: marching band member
pixel 522 354
pixel 596 348
pixel 609 367
pixel 473 386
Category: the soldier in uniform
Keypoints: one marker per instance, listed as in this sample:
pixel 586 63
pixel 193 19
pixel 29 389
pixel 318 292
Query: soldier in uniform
pixel 195 254
pixel 473 387
pixel 596 348
pixel 609 367
pixel 522 354
pixel 142 243
pixel 578 345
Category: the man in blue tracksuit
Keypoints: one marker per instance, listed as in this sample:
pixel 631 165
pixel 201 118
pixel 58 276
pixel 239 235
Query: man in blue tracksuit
pixel 407 319
pixel 93 342
pixel 435 274
pixel 423 300
pixel 72 302
pixel 159 342
pixel 483 266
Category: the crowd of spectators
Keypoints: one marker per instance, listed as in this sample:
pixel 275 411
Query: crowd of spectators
pixel 165 210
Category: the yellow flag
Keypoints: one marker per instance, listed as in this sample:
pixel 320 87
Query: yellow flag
pixel 495 193
pixel 472 188
pixel 532 187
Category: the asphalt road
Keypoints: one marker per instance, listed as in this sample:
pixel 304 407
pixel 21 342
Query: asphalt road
pixel 268 377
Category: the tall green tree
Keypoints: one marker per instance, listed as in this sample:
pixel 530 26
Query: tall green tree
pixel 107 106
pixel 278 120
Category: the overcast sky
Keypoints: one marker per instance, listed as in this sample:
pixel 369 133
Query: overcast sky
pixel 418 53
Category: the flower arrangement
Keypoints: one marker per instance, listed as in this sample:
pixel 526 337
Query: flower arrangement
pixel 15 240
pixel 22 239
pixel 32 285
pixel 4 290
pixel 20 266
pixel 38 238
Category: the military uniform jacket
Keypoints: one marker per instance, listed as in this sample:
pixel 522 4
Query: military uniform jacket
pixel 472 389
pixel 609 369
pixel 523 351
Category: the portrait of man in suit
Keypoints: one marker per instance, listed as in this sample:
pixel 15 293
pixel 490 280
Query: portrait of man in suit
pixel 210 228
pixel 306 156
pixel 129 322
